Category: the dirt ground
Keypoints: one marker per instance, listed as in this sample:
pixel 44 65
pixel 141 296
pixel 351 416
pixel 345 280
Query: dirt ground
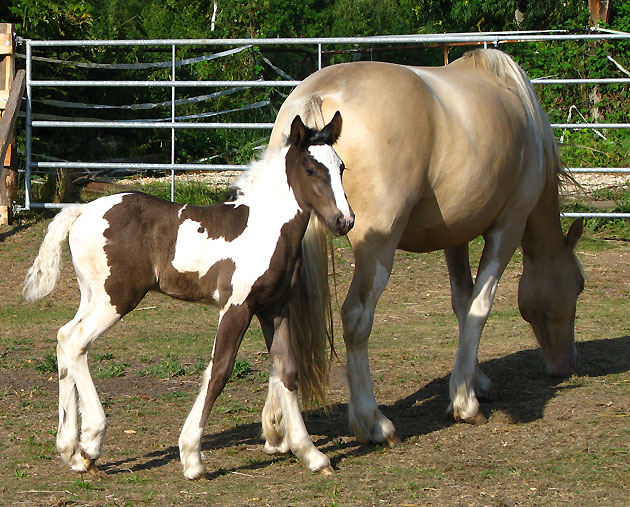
pixel 547 441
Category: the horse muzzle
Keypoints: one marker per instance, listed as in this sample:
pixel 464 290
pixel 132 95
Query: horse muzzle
pixel 343 224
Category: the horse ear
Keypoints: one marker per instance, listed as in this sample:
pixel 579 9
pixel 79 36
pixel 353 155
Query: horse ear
pixel 298 131
pixel 332 131
pixel 575 232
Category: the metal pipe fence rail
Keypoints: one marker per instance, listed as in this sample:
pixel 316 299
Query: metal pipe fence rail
pixel 445 40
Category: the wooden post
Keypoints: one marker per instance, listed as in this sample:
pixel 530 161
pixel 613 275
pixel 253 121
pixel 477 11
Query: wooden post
pixel 8 178
pixel 599 10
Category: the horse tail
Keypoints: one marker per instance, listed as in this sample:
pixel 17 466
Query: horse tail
pixel 43 275
pixel 507 72
pixel 311 316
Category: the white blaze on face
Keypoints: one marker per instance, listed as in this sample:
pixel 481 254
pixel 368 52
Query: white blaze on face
pixel 327 156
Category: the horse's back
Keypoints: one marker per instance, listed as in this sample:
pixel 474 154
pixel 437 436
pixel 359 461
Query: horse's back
pixel 437 152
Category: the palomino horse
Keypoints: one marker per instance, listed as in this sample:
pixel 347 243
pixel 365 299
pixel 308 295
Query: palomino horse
pixel 436 157
pixel 243 256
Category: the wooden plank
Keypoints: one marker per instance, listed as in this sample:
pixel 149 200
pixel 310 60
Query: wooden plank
pixel 7 123
pixel 8 159
pixel 6 43
pixel 4 99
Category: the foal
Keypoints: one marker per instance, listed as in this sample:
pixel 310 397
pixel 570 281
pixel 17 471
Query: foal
pixel 242 256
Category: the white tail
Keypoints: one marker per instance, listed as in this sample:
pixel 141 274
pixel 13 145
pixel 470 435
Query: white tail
pixel 42 277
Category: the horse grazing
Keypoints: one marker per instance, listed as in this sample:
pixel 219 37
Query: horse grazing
pixel 436 157
pixel 243 256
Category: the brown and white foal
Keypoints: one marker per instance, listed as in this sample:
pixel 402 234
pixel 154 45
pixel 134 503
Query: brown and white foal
pixel 241 256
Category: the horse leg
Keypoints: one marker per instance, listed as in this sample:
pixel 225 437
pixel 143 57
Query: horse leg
pixel 500 244
pixel 233 323
pixel 371 274
pixel 283 426
pixel 75 384
pixel 458 262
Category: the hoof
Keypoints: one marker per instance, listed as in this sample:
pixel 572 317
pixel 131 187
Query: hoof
pixel 327 470
pixel 393 440
pixel 276 450
pixel 88 466
pixel 476 420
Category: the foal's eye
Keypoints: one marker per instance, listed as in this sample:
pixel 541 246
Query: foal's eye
pixel 310 171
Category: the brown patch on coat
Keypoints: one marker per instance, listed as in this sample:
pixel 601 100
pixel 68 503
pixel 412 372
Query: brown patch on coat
pixel 140 246
pixel 225 221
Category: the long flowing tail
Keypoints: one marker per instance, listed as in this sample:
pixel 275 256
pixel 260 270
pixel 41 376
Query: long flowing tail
pixel 42 277
pixel 507 72
pixel 311 317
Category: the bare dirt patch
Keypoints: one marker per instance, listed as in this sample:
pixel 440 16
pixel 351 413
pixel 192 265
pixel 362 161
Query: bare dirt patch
pixel 547 442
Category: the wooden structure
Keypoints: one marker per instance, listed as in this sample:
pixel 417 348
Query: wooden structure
pixel 599 10
pixel 11 91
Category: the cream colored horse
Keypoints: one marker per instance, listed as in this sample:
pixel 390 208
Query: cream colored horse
pixel 436 157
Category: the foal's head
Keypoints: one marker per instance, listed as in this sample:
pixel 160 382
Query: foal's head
pixel 314 173
pixel 547 298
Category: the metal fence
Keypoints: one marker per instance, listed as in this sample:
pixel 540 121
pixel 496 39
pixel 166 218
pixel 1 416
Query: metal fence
pixel 442 40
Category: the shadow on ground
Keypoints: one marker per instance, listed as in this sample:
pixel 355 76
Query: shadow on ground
pixel 523 391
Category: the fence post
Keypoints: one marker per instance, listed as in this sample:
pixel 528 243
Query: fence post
pixel 8 179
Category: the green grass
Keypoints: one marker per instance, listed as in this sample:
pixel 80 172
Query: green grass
pixel 610 228
pixel 189 192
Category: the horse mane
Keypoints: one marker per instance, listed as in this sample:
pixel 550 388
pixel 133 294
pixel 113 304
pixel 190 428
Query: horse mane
pixel 264 167
pixel 510 75
pixel 310 306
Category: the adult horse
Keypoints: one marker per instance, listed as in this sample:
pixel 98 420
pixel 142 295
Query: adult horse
pixel 243 256
pixel 436 157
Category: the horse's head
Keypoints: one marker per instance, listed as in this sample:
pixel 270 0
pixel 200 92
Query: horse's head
pixel 547 298
pixel 314 173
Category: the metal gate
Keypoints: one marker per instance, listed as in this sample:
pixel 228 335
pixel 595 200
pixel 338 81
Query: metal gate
pixel 445 41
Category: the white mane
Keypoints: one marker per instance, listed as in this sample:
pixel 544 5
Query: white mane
pixel 264 178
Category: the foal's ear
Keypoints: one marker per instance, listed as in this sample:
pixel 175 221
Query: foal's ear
pixel 298 131
pixel 575 232
pixel 332 131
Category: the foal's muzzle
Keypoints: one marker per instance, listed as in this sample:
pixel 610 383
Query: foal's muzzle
pixel 343 223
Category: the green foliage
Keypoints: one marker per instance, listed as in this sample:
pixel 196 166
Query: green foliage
pixel 197 193
pixel 143 19
pixel 166 368
pixel 241 369
pixel 48 364
pixel 112 369
pixel 615 228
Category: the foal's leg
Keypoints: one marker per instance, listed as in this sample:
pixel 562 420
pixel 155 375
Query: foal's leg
pixel 500 244
pixel 74 341
pixel 283 426
pixel 458 262
pixel 233 323
pixel 371 274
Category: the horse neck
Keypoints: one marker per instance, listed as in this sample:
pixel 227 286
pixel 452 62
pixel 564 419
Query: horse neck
pixel 543 232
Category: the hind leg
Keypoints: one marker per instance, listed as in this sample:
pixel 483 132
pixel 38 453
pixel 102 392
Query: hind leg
pixel 472 307
pixel 81 448
pixel 232 326
pixel 371 274
pixel 283 425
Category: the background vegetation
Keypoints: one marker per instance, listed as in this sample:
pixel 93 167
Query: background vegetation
pixel 150 19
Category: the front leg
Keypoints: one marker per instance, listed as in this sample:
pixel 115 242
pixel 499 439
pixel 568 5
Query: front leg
pixel 283 426
pixel 472 304
pixel 371 274
pixel 233 323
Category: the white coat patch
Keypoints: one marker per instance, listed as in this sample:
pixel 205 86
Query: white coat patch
pixel 251 252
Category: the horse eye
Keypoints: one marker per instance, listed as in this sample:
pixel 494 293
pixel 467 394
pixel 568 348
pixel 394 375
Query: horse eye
pixel 310 171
